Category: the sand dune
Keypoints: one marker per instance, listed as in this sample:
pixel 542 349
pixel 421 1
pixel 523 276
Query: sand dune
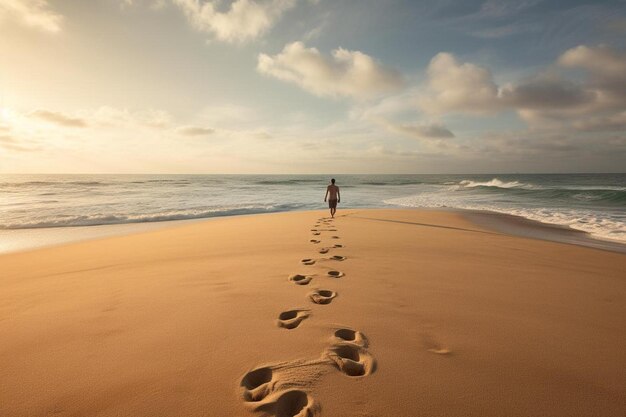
pixel 435 316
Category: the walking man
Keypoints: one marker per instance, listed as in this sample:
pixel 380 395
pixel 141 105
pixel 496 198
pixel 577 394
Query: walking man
pixel 333 196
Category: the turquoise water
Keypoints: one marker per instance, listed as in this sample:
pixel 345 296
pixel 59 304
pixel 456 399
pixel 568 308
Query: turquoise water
pixel 595 203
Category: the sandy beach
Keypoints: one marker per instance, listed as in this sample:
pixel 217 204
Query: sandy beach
pixel 374 313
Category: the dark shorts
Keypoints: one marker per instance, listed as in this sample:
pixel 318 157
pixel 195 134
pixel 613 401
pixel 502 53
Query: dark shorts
pixel 332 203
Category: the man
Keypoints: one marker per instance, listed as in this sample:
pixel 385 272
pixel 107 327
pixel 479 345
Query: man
pixel 332 191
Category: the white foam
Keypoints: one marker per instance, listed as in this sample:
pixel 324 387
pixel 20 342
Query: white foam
pixel 494 183
pixel 603 226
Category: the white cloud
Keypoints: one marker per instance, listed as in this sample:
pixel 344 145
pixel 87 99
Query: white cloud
pixel 32 13
pixel 346 73
pixel 243 21
pixel 453 86
pixel 599 60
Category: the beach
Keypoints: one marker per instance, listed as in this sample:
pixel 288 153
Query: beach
pixel 395 312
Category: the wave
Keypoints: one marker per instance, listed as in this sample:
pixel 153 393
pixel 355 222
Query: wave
pixel 289 182
pixel 104 219
pixel 597 196
pixel 50 183
pixel 566 194
pixel 494 183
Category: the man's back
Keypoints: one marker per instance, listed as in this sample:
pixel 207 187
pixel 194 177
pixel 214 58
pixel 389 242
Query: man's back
pixel 332 190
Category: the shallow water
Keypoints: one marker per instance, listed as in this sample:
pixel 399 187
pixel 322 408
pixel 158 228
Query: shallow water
pixel 594 203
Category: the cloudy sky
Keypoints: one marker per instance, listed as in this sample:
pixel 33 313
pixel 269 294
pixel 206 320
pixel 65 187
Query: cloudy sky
pixel 312 86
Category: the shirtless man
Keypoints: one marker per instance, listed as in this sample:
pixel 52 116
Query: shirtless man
pixel 335 197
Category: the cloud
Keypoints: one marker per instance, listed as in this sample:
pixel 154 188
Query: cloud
pixel 425 131
pixel 417 131
pixel 599 60
pixel 244 20
pixel 615 122
pixel 10 143
pixel 550 146
pixel 606 68
pixel 152 4
pixel 113 116
pixel 58 118
pixel 107 116
pixel 194 131
pixel 453 86
pixel 548 98
pixel 346 73
pixel 597 101
pixel 32 13
pixel 546 91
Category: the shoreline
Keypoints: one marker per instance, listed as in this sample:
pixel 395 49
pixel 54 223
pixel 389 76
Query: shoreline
pixel 522 227
pixel 18 240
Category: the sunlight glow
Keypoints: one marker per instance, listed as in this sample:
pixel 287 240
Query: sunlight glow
pixel 7 114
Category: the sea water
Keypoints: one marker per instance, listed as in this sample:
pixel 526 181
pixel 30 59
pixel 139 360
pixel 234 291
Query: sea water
pixel 594 203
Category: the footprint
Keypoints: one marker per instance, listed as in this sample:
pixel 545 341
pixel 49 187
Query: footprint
pixel 337 246
pixel 300 279
pixel 433 346
pixel 314 230
pixel 316 233
pixel 440 351
pixel 257 384
pixel 322 296
pixel 335 274
pixel 338 258
pixel 293 403
pixel 323 250
pixel 334 237
pixel 351 336
pixel 315 241
pixel 352 360
pixel 292 318
pixel 308 261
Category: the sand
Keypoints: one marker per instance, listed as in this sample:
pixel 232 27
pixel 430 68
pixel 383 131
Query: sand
pixel 422 313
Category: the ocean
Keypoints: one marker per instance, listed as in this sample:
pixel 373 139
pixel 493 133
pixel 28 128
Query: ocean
pixel 593 203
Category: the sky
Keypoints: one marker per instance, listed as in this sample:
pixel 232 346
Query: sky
pixel 312 86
